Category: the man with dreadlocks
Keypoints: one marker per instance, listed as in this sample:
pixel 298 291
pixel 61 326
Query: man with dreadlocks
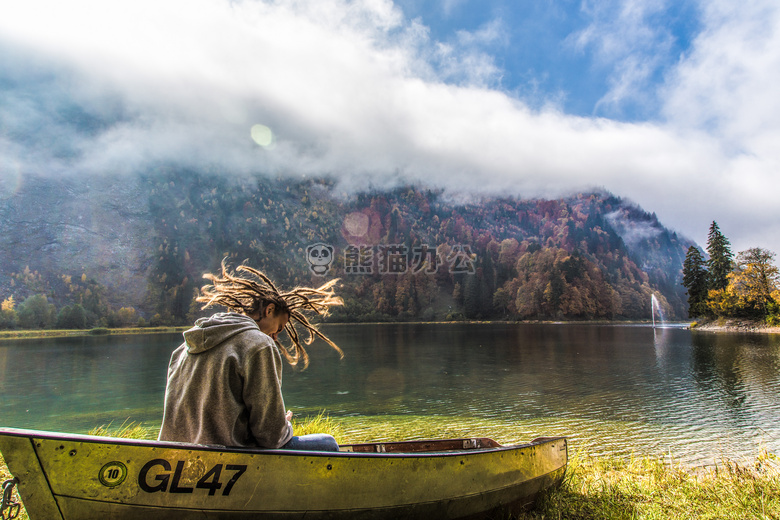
pixel 225 381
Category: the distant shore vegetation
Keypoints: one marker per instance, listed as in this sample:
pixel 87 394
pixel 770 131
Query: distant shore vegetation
pixel 725 286
pixel 89 312
pixel 508 281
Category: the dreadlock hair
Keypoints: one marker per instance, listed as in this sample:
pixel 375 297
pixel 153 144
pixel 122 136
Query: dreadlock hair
pixel 251 295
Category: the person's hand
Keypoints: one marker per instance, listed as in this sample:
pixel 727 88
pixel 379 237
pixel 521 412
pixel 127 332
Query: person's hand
pixel 289 415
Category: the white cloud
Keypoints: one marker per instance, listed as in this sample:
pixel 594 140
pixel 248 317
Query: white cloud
pixel 353 89
pixel 491 33
pixel 727 87
pixel 629 45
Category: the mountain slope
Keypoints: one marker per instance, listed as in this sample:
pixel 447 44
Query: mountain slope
pixel 408 253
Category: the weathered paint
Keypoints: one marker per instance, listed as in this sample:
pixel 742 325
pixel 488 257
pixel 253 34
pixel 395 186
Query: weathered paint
pixel 81 477
pixel 22 462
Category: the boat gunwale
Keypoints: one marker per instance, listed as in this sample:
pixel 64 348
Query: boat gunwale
pixel 149 443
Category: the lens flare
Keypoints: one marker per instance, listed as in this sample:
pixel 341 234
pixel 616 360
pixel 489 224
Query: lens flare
pixel 356 224
pixel 10 179
pixel 262 135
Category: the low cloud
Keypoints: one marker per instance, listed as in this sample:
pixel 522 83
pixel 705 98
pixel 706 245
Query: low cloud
pixel 356 91
pixel 632 231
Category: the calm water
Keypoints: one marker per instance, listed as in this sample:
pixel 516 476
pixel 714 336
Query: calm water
pixel 700 396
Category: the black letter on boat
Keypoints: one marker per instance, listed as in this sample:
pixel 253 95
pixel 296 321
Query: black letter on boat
pixel 163 478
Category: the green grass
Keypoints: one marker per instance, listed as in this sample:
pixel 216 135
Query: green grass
pixel 319 423
pixel 658 488
pixel 126 430
pixel 612 487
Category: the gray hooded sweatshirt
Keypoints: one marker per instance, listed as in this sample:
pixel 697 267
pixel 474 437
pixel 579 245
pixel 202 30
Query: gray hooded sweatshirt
pixel 225 386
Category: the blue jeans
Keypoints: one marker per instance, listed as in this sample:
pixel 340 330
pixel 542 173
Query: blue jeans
pixel 312 442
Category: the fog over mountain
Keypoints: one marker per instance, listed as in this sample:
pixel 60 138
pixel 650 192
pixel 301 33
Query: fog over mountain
pixel 369 96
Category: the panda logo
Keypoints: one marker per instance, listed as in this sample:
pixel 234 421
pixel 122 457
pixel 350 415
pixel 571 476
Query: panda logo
pixel 319 256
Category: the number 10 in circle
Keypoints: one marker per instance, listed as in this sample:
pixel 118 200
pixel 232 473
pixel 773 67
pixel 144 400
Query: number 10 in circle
pixel 112 474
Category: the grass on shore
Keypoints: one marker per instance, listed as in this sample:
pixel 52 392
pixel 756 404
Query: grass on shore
pixel 126 430
pixel 607 487
pixel 99 331
pixel 656 488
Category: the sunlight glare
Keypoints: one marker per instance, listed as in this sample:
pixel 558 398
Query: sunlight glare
pixel 262 135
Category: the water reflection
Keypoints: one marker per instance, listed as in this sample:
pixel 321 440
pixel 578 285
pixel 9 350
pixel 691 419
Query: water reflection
pixel 616 388
pixel 72 384
pixel 628 387
pixel 737 372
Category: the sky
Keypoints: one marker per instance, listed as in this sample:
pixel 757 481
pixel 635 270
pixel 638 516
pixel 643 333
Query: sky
pixel 672 104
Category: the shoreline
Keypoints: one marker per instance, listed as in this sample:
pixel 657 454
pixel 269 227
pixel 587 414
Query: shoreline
pixel 100 331
pixel 75 333
pixel 734 325
pixel 730 325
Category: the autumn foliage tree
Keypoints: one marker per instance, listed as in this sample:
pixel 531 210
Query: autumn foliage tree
pixel 754 281
pixel 746 288
pixel 8 317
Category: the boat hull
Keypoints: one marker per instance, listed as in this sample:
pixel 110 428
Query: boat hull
pixel 82 477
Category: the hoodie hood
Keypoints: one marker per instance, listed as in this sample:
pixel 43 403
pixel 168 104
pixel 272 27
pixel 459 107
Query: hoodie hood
pixel 216 329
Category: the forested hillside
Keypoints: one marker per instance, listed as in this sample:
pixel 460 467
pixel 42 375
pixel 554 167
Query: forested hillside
pixel 125 249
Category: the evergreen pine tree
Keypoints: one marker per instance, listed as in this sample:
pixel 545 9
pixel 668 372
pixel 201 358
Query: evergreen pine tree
pixel 471 297
pixel 695 281
pixel 721 260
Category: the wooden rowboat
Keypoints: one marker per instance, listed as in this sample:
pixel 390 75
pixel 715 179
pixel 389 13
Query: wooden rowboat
pixel 65 477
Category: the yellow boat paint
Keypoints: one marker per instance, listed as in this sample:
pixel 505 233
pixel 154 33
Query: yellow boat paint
pixel 68 477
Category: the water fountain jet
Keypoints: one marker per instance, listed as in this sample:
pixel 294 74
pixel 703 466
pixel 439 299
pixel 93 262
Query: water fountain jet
pixel 655 306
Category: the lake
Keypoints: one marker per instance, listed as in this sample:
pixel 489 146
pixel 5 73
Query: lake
pixel 611 388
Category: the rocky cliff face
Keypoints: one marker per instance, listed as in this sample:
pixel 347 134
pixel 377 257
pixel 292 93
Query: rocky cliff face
pixel 100 227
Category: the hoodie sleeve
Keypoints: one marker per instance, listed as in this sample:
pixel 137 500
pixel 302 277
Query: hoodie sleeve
pixel 263 395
